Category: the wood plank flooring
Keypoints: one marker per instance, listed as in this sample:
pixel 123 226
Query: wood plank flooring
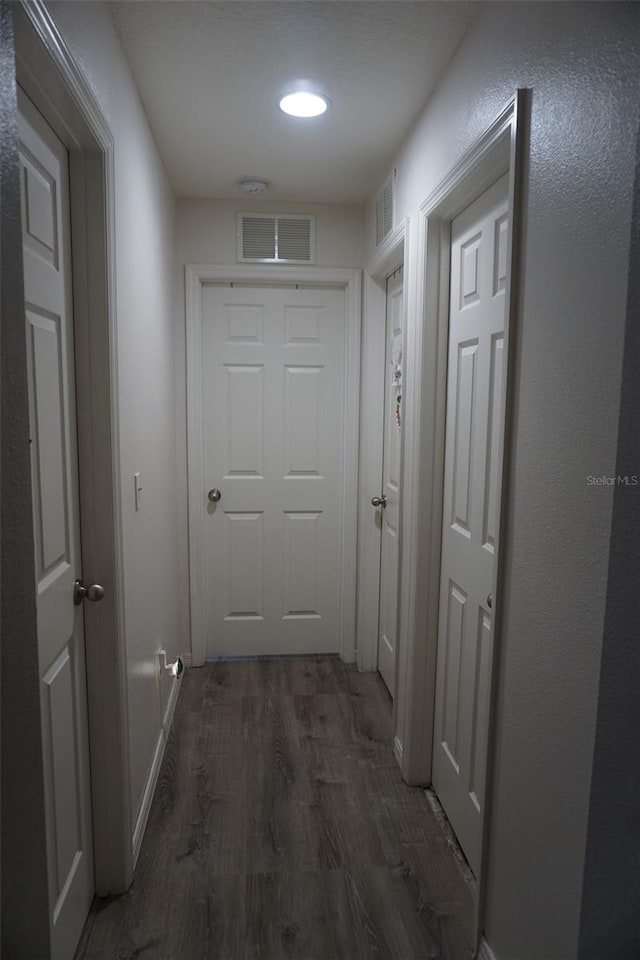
pixel 282 830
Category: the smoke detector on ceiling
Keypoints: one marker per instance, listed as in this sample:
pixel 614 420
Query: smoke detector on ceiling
pixel 254 185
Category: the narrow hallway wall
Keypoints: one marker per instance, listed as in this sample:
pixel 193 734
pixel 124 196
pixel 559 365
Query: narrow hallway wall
pixel 23 881
pixel 581 63
pixel 156 584
pixel 610 919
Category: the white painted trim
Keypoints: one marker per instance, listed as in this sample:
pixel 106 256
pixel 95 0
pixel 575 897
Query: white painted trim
pixel 390 254
pixel 518 135
pixel 350 446
pixel 397 751
pixel 491 156
pixel 195 276
pixel 154 772
pixel 425 373
pixel 48 72
pixel 195 468
pixel 371 444
pixel 485 952
pixel 424 382
pixel 386 261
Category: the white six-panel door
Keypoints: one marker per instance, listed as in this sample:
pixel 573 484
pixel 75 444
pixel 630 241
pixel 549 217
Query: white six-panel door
pixel 474 425
pixel 49 330
pixel 272 375
pixel 390 513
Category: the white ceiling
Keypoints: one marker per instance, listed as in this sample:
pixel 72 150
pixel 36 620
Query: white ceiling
pixel 210 75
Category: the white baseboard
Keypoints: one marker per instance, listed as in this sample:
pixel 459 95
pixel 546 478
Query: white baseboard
pixel 485 952
pixel 397 751
pixel 154 772
pixel 187 659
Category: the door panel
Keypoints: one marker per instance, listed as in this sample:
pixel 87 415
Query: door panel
pixel 301 565
pixel 494 430
pixel 50 360
pixel 44 354
pixel 389 515
pixel 245 590
pixel 58 684
pixel 244 404
pixel 303 391
pixel 272 374
pixel 474 428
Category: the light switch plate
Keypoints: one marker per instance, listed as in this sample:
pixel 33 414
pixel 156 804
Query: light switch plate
pixel 137 486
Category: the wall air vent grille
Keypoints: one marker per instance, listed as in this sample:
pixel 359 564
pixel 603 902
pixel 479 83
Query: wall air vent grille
pixel 273 238
pixel 258 238
pixel 384 211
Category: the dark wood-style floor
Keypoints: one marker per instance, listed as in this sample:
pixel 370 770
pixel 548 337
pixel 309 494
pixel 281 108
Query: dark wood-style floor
pixel 282 830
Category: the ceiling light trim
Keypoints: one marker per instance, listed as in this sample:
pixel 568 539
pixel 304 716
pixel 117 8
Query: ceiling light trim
pixel 304 104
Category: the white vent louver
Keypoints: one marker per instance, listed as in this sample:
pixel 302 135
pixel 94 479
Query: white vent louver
pixel 274 238
pixel 258 240
pixel 384 211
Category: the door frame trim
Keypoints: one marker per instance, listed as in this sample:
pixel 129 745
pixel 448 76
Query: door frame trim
pixel 196 275
pixel 391 255
pixel 499 150
pixel 49 74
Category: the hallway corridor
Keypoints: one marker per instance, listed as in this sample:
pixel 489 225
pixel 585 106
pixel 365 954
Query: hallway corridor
pixel 281 828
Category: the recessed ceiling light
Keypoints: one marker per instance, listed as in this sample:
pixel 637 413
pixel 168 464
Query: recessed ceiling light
pixel 304 104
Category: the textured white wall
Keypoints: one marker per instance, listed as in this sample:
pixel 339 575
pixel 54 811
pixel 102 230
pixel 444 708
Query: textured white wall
pixel 610 919
pixel 580 60
pixel 207 230
pixel 156 585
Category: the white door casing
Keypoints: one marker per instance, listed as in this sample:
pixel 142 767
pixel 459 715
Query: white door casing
pixel 61 653
pixel 474 427
pixel 276 554
pixel 391 461
pixel 53 80
pixel 391 255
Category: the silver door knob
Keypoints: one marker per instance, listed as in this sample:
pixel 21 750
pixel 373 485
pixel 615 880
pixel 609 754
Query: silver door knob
pixel 490 601
pixel 93 592
pixel 379 501
pixel 214 495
